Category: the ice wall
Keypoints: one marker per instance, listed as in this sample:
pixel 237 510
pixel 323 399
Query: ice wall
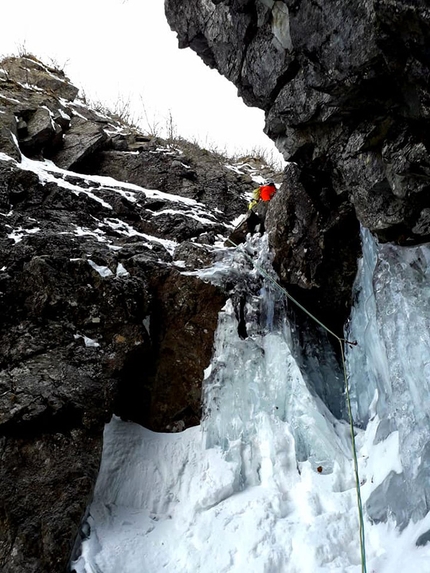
pixel 390 366
pixel 260 374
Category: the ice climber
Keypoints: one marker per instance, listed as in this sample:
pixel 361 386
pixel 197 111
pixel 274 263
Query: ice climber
pixel 259 204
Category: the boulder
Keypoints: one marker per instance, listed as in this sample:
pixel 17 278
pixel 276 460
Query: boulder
pixel 39 131
pixel 82 139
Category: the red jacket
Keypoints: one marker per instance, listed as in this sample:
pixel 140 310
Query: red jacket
pixel 267 192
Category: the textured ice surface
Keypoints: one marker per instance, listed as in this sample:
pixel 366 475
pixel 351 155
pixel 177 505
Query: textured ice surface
pixel 259 374
pixel 391 365
pixel 265 484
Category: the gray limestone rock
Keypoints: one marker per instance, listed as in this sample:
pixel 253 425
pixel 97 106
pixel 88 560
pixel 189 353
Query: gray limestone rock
pixel 90 317
pixel 8 135
pixel 40 130
pixel 185 170
pixel 31 71
pixel 82 139
pixel 314 235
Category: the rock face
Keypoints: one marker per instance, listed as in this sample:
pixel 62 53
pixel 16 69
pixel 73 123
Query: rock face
pixel 346 91
pixel 98 316
pixel 316 243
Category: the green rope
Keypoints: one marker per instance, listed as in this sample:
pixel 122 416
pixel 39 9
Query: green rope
pixel 266 275
pixel 354 452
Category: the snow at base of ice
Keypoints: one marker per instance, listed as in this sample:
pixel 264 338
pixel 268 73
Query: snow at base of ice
pixel 165 503
pixel 265 484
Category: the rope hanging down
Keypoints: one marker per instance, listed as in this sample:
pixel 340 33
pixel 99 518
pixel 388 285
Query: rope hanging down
pixel 348 400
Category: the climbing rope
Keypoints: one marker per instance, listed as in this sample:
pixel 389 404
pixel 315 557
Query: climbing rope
pixel 341 341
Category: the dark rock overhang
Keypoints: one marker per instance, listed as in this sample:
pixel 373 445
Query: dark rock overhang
pixel 345 87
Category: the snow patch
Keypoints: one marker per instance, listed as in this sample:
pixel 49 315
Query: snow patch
pixel 121 271
pixel 17 234
pixel 11 99
pixel 89 342
pixel 124 228
pixel 103 271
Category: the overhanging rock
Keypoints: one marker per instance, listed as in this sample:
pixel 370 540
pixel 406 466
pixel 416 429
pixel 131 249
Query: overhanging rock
pixel 345 87
pixel 346 93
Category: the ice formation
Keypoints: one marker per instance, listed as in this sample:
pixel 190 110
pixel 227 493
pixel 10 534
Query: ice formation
pixel 391 368
pixel 265 484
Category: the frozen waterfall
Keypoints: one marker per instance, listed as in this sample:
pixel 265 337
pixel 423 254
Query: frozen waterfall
pixel 390 372
pixel 265 484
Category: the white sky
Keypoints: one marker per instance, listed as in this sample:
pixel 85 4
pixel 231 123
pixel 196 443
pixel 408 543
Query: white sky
pixel 124 50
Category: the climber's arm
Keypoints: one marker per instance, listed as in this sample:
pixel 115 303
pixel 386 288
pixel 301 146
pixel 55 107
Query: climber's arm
pixel 255 198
